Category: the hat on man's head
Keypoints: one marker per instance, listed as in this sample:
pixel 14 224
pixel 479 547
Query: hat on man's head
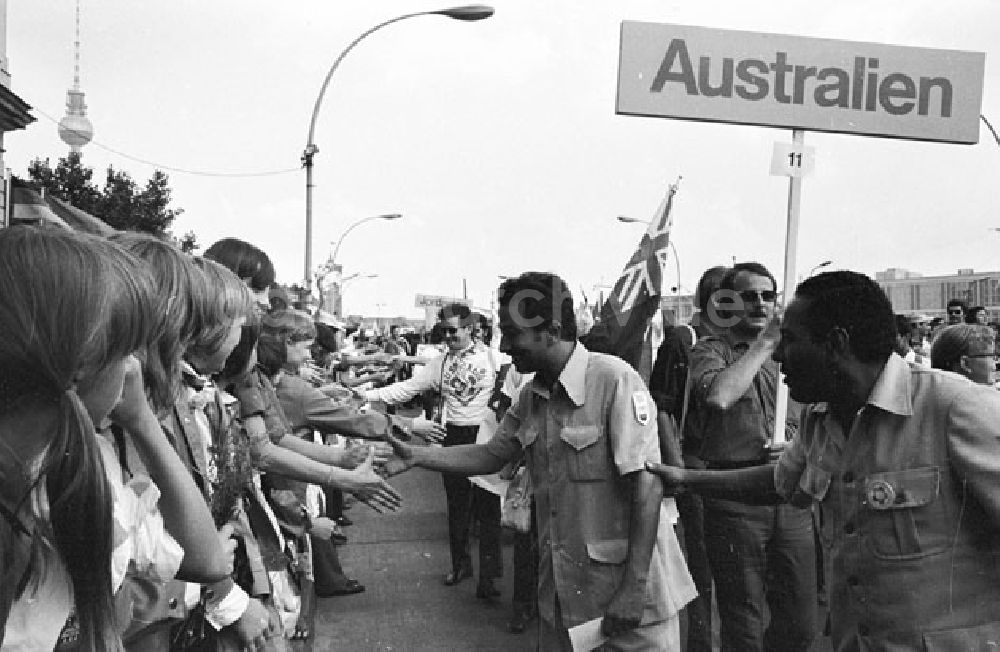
pixel 323 317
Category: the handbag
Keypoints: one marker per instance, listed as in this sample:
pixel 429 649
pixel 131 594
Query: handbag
pixel 516 509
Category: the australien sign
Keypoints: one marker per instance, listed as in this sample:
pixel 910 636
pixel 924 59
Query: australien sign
pixel 795 82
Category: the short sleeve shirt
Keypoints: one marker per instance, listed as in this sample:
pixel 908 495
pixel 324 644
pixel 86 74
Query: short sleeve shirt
pixel 581 437
pixel 740 433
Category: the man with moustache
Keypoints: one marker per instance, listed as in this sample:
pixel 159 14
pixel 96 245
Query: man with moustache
pixel 464 376
pixel 904 464
pixel 606 547
pixel 759 553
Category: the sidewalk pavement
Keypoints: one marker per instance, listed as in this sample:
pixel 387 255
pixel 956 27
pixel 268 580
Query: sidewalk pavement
pixel 401 559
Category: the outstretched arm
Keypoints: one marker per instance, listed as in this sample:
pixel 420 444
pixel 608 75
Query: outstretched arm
pixel 425 379
pixel 753 484
pixel 471 459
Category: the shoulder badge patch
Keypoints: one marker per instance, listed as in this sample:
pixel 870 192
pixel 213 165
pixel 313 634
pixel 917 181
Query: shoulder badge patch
pixel 641 407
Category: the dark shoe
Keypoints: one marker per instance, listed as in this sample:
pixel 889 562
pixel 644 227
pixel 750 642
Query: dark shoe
pixel 352 587
pixel 343 521
pixel 518 623
pixel 456 576
pixel 486 591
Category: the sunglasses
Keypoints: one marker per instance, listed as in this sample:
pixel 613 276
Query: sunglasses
pixel 955 312
pixel 449 330
pixel 767 296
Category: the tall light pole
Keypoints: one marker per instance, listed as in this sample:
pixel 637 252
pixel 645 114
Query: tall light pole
pixel 331 263
pixel 466 13
pixel 677 261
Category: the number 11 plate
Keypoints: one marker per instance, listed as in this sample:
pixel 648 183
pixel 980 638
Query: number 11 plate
pixel 791 161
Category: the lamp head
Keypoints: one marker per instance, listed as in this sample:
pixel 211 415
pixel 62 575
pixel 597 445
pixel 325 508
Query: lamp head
pixel 390 216
pixel 466 12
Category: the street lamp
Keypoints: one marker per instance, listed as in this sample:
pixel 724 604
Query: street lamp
pixel 340 285
pixel 331 263
pixel 355 276
pixel 387 216
pixel 625 219
pixel 464 13
pixel 825 263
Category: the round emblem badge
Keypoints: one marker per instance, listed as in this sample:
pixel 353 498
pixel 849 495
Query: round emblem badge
pixel 881 494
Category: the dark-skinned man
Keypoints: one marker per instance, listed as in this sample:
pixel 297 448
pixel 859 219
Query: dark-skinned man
pixel 584 423
pixel 904 463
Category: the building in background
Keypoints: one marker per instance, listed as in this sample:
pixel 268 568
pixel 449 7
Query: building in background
pixel 911 292
pixel 13 115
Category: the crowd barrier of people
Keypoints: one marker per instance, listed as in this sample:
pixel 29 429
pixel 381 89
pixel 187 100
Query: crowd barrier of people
pixel 177 445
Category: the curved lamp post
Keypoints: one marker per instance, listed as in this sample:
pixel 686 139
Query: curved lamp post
pixel 825 263
pixel 466 13
pixel 343 284
pixel 356 276
pixel 331 262
pixel 340 240
pixel 677 261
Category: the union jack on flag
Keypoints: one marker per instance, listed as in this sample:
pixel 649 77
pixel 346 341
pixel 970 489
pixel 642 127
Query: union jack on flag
pixel 635 298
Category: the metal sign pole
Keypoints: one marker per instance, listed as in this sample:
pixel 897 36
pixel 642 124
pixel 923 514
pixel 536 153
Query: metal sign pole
pixel 788 285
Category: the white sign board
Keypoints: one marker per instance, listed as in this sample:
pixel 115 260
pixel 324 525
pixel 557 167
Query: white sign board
pixel 776 80
pixel 788 160
pixel 432 301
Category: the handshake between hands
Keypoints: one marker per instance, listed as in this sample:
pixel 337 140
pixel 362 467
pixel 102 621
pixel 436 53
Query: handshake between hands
pixel 374 462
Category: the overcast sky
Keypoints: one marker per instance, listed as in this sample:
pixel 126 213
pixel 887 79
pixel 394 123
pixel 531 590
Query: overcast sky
pixel 497 140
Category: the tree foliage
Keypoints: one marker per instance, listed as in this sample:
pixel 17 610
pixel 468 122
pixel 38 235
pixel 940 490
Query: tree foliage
pixel 121 201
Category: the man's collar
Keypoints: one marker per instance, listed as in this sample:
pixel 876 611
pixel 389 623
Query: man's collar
pixel 891 391
pixel 573 376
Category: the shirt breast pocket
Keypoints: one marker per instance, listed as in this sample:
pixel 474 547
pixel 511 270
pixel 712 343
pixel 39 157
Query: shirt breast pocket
pixel 586 458
pixel 907 518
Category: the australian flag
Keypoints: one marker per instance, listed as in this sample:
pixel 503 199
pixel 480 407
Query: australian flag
pixel 627 311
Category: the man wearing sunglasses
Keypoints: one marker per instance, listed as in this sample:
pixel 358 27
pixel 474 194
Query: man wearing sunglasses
pixel 758 552
pixel 956 311
pixel 464 376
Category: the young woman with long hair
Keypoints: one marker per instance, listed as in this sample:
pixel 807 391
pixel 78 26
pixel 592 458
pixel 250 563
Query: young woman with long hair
pixel 73 309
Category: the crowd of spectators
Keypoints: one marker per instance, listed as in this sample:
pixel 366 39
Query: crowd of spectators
pixel 178 445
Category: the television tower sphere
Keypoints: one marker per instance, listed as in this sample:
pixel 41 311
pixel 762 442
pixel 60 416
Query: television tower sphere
pixel 76 131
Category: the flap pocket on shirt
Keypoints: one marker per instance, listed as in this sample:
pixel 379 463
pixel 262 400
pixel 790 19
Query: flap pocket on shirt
pixel 579 437
pixel 611 551
pixel 902 489
pixel 905 520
